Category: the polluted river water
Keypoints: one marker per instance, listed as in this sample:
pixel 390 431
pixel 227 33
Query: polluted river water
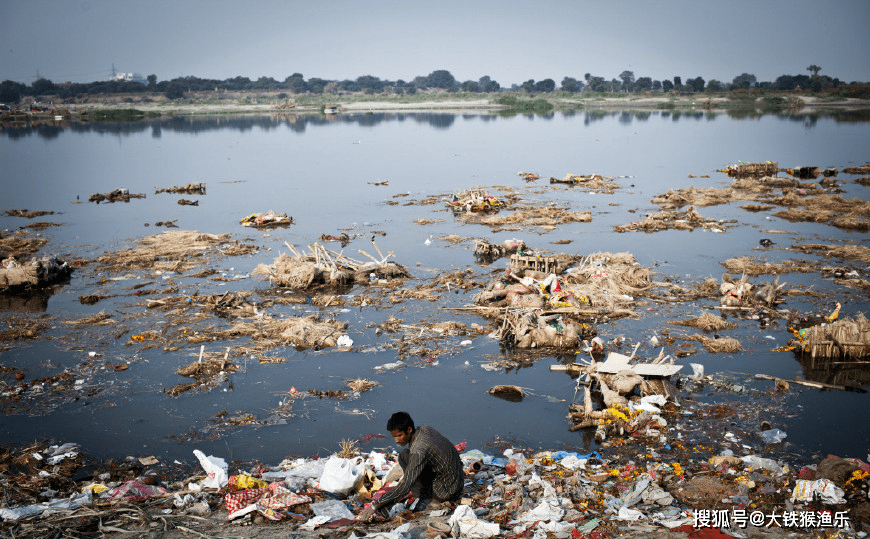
pixel 381 180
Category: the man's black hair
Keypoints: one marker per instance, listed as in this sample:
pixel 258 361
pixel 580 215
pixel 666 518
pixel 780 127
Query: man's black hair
pixel 400 421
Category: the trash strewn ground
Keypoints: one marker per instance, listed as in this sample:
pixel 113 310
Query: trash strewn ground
pixel 659 475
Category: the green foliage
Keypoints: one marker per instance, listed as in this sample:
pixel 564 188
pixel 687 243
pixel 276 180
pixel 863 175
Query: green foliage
pixel 666 106
pixel 856 90
pixel 117 115
pixel 174 91
pixel 11 92
pixel 526 106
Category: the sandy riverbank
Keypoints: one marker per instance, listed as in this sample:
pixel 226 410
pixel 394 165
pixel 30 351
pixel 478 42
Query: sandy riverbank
pixel 206 105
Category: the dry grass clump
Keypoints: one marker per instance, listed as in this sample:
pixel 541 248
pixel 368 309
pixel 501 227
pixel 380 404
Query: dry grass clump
pixel 715 346
pixel 19 244
pixel 796 215
pixel 361 385
pixel 98 319
pixel 757 207
pixel 845 252
pixel 707 321
pixel 671 219
pixel 171 250
pixel 544 218
pixel 751 266
pixel 349 449
pixel 609 278
pixel 302 332
pixel 673 200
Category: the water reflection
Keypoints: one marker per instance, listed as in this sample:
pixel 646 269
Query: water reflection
pixel 441 121
pixel 835 371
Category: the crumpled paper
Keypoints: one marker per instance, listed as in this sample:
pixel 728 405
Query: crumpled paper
pixel 824 489
pixel 465 523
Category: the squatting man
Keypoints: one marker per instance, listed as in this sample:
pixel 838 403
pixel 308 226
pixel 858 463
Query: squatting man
pixel 431 468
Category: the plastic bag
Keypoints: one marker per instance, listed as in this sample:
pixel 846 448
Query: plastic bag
pixel 215 467
pixel 340 476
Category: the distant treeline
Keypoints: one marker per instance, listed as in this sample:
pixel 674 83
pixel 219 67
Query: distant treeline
pixel 295 84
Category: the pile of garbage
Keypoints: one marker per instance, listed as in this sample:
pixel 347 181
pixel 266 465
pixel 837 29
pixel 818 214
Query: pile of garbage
pixel 675 220
pixel 120 194
pixel 37 273
pixel 326 267
pixel 631 392
pixel 742 170
pixel 485 250
pixel 266 220
pixel 510 492
pixel 595 182
pixel 596 286
pixel 475 199
pixel 197 188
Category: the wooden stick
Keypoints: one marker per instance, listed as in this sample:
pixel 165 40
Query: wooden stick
pixel 201 350
pixel 377 249
pixel 295 252
pixel 373 259
pixel 818 385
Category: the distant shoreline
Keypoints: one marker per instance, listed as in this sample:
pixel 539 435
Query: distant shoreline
pixel 242 103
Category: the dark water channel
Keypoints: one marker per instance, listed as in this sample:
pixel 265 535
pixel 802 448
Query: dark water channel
pixel 323 173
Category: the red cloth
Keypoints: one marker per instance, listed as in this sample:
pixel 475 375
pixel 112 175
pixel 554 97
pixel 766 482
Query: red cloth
pixel 701 533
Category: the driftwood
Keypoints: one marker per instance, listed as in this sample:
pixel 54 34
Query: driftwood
pixel 810 383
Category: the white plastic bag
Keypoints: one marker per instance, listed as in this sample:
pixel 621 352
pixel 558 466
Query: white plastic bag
pixel 340 475
pixel 215 467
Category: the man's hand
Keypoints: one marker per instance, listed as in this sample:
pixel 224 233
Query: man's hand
pixel 367 514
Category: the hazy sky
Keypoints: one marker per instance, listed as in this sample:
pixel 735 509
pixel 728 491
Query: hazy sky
pixel 511 41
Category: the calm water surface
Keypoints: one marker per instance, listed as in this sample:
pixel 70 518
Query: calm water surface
pixel 322 172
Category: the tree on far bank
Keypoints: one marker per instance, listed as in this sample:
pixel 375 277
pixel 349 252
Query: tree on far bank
pixel 744 81
pixel 643 84
pixel 43 86
pixel 11 92
pixel 152 81
pixel 488 85
pixel 570 84
pixel 696 84
pixel 546 85
pixel 470 86
pixel 174 91
pixel 627 78
pixel 441 78
pixel 528 86
pixel 814 69
pixel 667 85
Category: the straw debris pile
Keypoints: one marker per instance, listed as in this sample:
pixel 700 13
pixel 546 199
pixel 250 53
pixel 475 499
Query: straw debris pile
pixel 172 250
pixel 677 220
pixel 847 338
pixel 326 267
